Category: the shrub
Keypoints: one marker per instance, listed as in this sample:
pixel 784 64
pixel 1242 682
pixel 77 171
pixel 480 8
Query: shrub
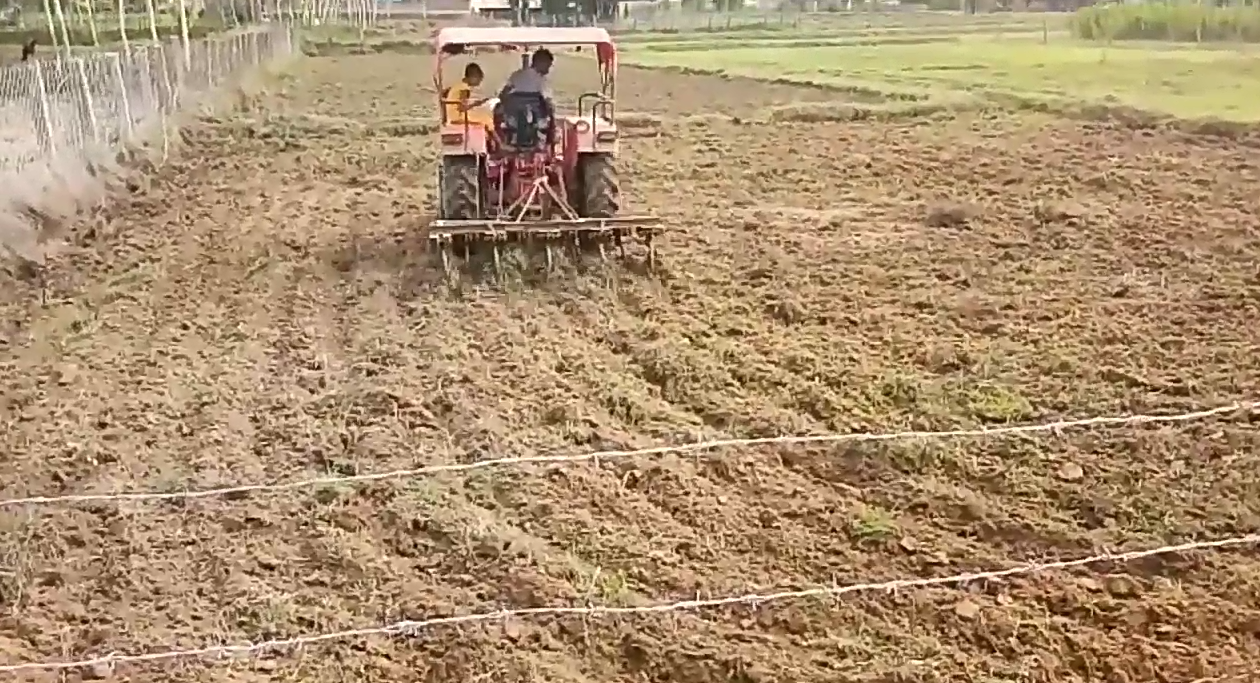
pixel 1179 22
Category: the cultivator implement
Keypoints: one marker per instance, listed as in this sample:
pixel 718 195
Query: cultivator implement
pixel 606 238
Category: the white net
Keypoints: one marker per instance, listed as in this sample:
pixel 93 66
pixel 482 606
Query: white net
pixel 79 107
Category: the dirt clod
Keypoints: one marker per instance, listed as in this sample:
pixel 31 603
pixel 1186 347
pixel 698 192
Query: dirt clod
pixel 948 215
pixel 967 610
pixel 1071 471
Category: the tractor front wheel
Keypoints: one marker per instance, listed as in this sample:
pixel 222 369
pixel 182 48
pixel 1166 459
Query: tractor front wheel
pixel 460 188
pixel 601 191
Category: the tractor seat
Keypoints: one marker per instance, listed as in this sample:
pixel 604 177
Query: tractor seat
pixel 525 121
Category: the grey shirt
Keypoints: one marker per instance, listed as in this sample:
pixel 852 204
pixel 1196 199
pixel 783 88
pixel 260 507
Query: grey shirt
pixel 525 80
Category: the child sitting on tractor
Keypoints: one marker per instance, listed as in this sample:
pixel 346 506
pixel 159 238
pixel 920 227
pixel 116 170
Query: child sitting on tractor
pixel 459 103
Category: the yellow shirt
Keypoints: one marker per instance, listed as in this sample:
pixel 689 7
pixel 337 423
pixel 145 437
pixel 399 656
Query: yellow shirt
pixel 460 96
pixel 457 95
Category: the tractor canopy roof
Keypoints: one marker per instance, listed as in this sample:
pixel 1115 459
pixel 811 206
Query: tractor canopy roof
pixel 521 35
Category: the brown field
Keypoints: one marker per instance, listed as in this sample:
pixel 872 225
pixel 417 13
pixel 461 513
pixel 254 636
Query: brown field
pixel 264 311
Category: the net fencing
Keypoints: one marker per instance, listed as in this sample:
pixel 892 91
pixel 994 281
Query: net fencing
pixel 84 106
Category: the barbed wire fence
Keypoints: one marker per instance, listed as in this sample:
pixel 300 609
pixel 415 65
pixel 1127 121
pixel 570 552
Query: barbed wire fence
pixel 596 457
pixel 1244 410
pixel 414 627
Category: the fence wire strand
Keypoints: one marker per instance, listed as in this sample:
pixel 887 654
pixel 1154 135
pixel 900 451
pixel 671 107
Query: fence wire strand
pixel 701 446
pixel 412 627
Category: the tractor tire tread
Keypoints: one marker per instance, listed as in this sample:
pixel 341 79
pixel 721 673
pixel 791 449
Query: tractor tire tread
pixel 601 188
pixel 459 188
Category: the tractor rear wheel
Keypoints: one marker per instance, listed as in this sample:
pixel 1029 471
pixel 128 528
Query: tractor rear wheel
pixel 459 186
pixel 601 190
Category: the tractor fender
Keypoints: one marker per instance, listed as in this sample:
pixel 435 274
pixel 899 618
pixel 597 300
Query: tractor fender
pixel 600 135
pixel 461 138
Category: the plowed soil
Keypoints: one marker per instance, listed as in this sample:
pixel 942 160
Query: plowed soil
pixel 265 311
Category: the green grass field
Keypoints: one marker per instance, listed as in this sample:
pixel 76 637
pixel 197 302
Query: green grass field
pixel 839 31
pixel 702 23
pixel 1182 81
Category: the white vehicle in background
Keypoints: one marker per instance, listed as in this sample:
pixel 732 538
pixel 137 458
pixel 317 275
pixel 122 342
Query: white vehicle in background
pixel 502 9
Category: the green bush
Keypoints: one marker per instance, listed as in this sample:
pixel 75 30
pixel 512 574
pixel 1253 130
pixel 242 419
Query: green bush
pixel 1179 22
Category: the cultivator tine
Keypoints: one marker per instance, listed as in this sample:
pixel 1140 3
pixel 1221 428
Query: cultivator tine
pixel 532 248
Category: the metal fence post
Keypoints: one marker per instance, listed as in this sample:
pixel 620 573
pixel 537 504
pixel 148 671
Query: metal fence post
pixel 89 107
pixel 44 113
pixel 128 131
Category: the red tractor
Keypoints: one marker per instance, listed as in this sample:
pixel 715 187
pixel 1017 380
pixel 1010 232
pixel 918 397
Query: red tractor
pixel 527 173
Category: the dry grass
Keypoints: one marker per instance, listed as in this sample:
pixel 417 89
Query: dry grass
pixel 266 311
pixel 38 204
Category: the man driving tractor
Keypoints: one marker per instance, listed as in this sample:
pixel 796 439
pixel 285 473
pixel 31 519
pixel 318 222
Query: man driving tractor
pixel 525 102
pixel 460 105
pixel 532 78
